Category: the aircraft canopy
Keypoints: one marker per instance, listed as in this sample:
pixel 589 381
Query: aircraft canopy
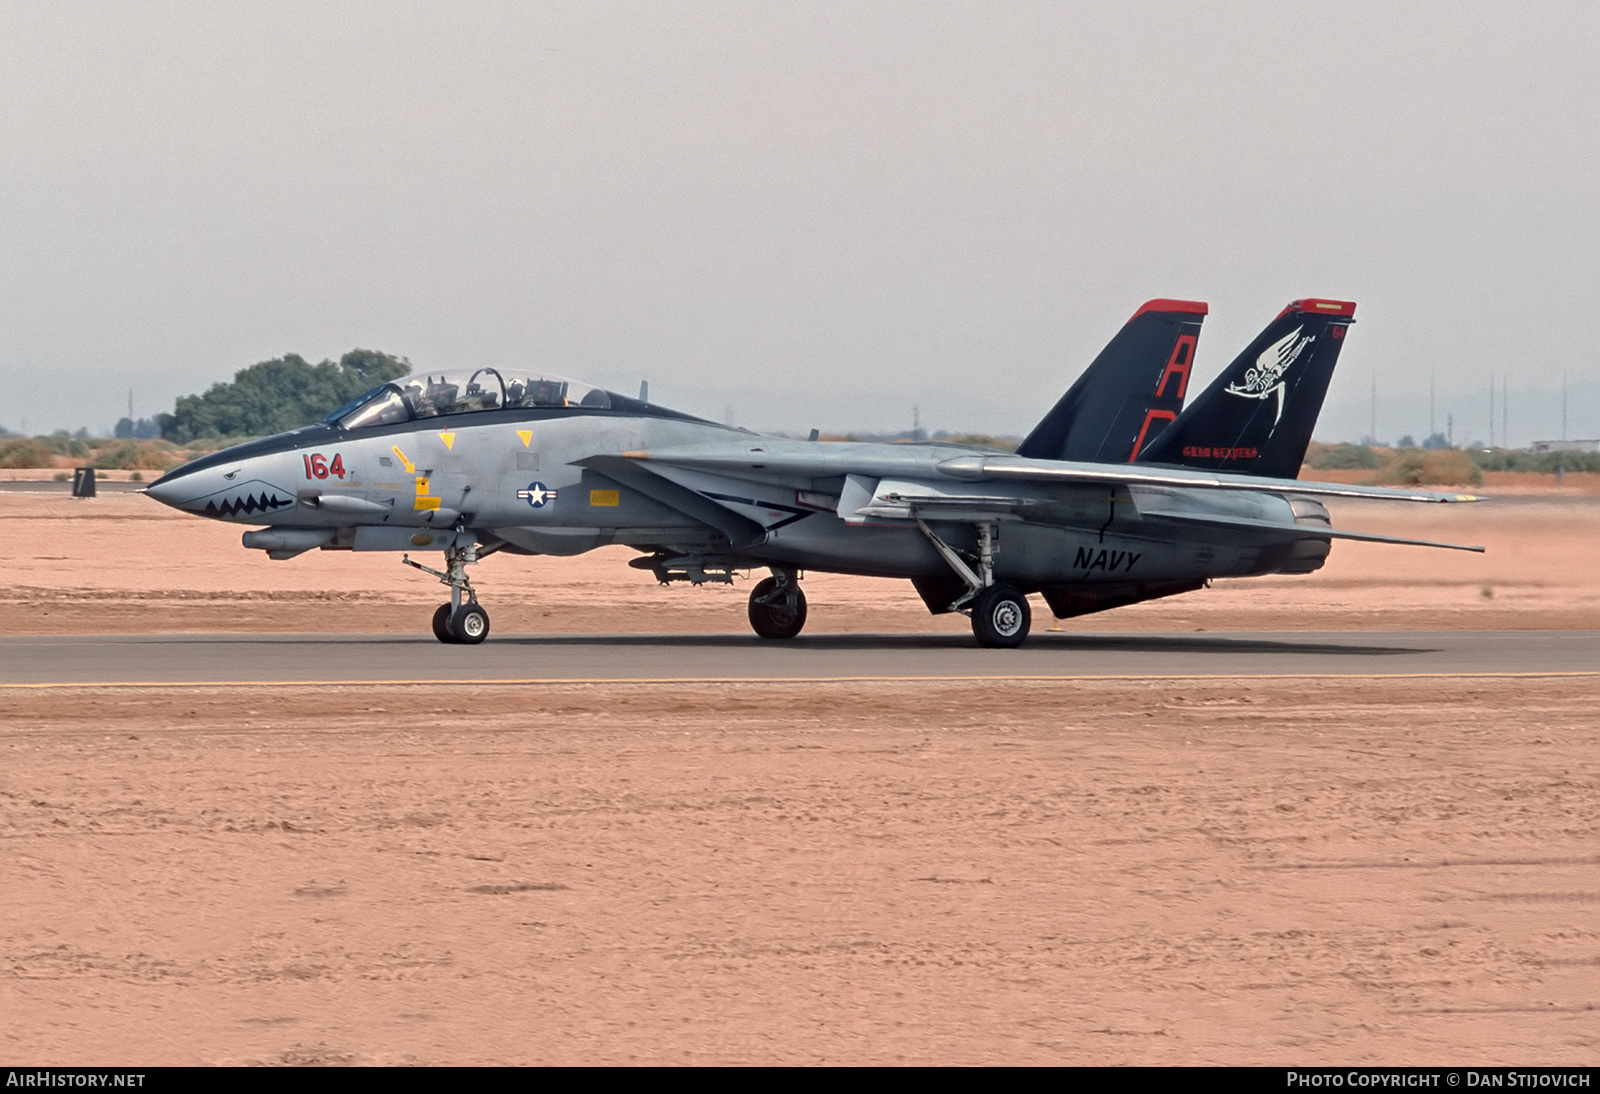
pixel 463 391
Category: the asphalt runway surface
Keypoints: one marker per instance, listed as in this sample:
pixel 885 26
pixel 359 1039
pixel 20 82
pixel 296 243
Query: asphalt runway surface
pixel 201 659
pixel 103 486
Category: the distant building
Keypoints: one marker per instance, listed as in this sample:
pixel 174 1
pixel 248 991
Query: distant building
pixel 1566 446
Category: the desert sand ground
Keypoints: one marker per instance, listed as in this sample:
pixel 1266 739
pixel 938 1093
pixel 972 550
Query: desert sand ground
pixel 1270 872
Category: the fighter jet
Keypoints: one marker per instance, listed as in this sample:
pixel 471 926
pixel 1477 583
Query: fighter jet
pixel 1114 498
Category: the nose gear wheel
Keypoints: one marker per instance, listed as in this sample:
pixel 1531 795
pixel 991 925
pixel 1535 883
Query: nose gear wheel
pixel 470 623
pixel 441 625
pixel 463 620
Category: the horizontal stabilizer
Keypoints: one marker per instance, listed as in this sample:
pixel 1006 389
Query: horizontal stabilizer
pixel 1297 530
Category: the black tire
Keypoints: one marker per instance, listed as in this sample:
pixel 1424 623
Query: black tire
pixel 777 613
pixel 470 624
pixel 1000 617
pixel 441 625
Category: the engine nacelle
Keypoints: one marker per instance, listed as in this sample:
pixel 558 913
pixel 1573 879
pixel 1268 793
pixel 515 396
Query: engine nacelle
pixel 1310 553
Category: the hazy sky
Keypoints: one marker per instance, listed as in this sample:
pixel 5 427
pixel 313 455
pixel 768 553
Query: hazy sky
pixel 810 214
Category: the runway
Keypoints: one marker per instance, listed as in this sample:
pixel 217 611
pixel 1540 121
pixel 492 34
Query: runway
pixel 219 659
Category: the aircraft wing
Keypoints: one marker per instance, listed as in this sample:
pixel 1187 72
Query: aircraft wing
pixel 774 460
pixel 740 530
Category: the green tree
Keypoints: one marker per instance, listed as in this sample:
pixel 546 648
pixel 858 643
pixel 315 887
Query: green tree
pixel 278 395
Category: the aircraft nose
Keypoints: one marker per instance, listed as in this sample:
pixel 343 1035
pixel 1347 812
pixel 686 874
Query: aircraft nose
pixel 186 488
pixel 167 491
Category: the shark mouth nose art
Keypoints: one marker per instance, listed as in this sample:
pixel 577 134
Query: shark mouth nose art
pixel 246 498
pixel 266 502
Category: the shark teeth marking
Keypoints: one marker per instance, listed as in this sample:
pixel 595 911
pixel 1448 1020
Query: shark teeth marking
pixel 248 504
pixel 247 498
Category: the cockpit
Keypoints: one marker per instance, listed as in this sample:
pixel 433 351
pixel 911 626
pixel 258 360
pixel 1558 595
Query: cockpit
pixel 433 394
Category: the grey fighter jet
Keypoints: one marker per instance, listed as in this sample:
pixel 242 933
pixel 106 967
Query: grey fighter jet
pixel 1115 497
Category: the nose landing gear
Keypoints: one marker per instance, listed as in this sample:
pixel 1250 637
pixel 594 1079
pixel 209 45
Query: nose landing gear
pixel 464 625
pixel 462 621
pixel 470 623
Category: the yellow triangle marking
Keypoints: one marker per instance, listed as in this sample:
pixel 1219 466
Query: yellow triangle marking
pixel 449 440
pixel 526 435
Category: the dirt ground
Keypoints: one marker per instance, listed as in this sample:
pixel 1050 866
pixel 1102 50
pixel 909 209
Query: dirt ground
pixel 1284 872
pixel 1262 873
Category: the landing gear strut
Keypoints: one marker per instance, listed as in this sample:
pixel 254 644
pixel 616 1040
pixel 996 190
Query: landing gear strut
pixel 777 606
pixel 1000 614
pixel 463 620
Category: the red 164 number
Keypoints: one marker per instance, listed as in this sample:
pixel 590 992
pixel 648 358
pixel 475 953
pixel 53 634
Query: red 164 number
pixel 318 467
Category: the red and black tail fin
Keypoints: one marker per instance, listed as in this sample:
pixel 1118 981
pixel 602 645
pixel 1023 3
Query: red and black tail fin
pixel 1257 417
pixel 1128 394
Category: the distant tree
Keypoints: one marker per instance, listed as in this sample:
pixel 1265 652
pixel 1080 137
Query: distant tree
pixel 1345 457
pixel 62 443
pixel 1542 462
pixel 1435 441
pixel 979 440
pixel 1408 441
pixel 142 430
pixel 278 395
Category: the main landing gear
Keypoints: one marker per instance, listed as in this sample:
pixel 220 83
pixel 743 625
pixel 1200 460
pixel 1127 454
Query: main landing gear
pixel 463 621
pixel 1000 613
pixel 777 606
pixel 1000 617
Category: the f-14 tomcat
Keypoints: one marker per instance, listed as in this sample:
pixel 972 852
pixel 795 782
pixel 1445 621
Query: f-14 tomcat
pixel 1115 497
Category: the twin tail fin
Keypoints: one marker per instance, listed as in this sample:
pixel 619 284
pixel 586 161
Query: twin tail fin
pixel 1257 417
pixel 1129 393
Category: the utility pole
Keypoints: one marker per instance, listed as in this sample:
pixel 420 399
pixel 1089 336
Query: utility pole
pixel 1432 430
pixel 1505 411
pixel 1372 431
pixel 1563 406
pixel 1491 410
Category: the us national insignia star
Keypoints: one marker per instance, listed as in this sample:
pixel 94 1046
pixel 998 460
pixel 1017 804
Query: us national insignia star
pixel 538 494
